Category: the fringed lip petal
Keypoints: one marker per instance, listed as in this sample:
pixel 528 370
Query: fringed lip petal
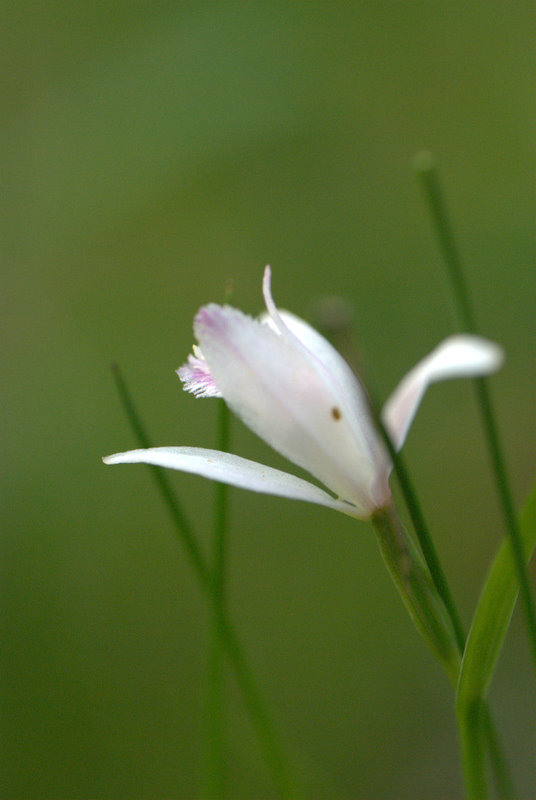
pixel 196 376
pixel 235 471
pixel 456 357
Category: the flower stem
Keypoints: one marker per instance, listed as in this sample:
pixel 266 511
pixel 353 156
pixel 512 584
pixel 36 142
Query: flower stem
pixel 471 727
pixel 216 771
pixel 499 765
pixel 416 589
pixel 502 773
pixel 426 169
pixel 258 713
pixel 422 532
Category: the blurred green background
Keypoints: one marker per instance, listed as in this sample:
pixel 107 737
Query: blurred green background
pixel 150 152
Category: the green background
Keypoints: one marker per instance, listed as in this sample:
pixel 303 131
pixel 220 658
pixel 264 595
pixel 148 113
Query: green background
pixel 150 152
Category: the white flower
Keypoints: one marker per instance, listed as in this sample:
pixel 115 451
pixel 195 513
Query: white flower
pixel 292 388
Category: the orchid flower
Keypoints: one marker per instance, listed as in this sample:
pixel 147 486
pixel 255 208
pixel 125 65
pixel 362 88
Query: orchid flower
pixel 294 390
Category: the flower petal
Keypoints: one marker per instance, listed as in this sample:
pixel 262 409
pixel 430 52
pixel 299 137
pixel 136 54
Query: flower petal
pixel 348 386
pixel 342 375
pixel 295 402
pixel 456 357
pixel 235 471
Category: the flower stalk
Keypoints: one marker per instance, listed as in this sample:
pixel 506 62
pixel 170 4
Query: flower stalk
pixel 471 725
pixel 416 589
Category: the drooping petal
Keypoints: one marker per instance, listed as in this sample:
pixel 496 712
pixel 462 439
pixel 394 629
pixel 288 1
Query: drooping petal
pixel 287 395
pixel 235 471
pixel 456 357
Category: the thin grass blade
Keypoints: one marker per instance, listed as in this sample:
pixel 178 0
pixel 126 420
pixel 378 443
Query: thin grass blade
pixel 493 612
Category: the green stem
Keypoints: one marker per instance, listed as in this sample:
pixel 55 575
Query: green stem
pixel 260 719
pixel 425 165
pixel 422 532
pixel 416 589
pixel 502 773
pixel 216 772
pixel 499 765
pixel 426 169
pixel 221 508
pixel 471 726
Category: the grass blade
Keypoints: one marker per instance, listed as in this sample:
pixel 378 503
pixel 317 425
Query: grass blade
pixel 493 612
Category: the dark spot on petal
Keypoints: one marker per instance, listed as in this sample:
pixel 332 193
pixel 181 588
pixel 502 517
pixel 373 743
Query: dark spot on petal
pixel 335 413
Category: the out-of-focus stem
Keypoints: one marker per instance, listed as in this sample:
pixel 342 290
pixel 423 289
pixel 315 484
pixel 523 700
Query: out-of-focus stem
pixel 426 169
pixel 268 739
pixel 216 771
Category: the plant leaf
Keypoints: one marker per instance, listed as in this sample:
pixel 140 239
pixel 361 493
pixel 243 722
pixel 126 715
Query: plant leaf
pixel 493 612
